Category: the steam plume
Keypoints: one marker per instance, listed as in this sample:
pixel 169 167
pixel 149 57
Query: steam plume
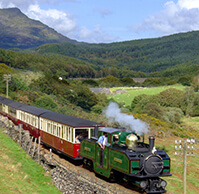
pixel 113 114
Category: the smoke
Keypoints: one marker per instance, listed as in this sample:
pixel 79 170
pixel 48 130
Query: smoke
pixel 113 114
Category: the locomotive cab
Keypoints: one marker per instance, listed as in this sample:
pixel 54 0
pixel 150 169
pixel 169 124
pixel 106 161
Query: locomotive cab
pixel 125 155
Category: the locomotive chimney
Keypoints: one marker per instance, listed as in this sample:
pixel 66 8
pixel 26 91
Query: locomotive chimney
pixel 151 142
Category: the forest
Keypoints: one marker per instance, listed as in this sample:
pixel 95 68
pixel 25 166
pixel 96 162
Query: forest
pixel 58 76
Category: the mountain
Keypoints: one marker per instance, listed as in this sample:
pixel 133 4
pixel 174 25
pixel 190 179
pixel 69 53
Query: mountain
pixel 19 31
pixel 171 55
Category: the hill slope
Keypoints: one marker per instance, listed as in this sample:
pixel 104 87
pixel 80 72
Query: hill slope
pixel 146 55
pixel 21 32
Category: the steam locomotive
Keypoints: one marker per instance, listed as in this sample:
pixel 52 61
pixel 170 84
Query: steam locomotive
pixel 125 156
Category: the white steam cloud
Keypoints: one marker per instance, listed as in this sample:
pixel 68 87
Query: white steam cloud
pixel 113 114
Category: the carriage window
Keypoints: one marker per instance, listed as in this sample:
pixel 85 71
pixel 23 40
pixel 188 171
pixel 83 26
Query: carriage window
pixel 54 129
pixel 92 133
pixel 48 128
pixel 41 124
pixel 62 131
pixel 67 133
pixel 59 131
pixel 71 135
pixel 80 134
pixel 116 138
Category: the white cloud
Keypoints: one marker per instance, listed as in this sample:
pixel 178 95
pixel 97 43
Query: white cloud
pixel 96 35
pixel 59 20
pixel 188 4
pixel 104 12
pixel 22 4
pixel 177 17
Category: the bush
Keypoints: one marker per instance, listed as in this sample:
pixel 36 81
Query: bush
pixel 141 106
pixel 127 81
pixel 137 99
pixel 154 110
pixel 45 102
pixel 170 98
pixel 110 81
pixel 152 82
pixel 171 82
pixel 185 81
pixel 172 115
pixel 90 82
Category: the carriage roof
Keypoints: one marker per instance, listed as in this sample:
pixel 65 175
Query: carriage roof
pixel 10 102
pixel 54 116
pixel 69 120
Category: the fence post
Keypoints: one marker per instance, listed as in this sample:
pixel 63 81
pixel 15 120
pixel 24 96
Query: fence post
pixel 20 128
pixel 34 147
pixel 30 144
pixel 39 150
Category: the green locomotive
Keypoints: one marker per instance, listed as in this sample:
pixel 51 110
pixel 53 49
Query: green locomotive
pixel 126 156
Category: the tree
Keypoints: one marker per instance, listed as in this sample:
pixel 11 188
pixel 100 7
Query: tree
pixel 170 98
pixel 127 81
pixel 195 83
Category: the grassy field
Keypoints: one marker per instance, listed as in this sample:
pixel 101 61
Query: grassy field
pixel 175 182
pixel 127 97
pixel 192 122
pixel 19 173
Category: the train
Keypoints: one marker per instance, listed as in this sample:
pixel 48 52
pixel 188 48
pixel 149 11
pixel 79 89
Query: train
pixel 126 156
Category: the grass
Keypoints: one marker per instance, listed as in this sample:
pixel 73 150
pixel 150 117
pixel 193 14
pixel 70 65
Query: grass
pixel 128 97
pixel 192 122
pixel 19 173
pixel 175 182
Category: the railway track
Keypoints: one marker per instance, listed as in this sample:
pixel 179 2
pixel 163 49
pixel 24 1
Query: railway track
pixel 89 175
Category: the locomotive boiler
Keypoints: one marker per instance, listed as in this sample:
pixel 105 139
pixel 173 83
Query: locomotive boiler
pixel 127 157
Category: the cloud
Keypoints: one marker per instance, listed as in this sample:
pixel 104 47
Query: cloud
pixel 22 4
pixel 104 12
pixel 61 21
pixel 96 35
pixel 188 4
pixel 177 17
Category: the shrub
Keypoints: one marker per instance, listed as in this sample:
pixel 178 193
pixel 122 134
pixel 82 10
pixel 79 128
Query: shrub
pixel 171 82
pixel 141 106
pixel 45 102
pixel 110 81
pixel 90 82
pixel 127 81
pixel 154 110
pixel 172 115
pixel 185 81
pixel 152 82
pixel 137 99
pixel 170 98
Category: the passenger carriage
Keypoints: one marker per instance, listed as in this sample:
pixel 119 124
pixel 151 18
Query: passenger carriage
pixel 61 132
pixel 65 132
pixel 9 109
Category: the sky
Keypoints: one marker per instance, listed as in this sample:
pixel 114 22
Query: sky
pixel 105 21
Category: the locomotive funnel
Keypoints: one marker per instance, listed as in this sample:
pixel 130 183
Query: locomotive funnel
pixel 151 142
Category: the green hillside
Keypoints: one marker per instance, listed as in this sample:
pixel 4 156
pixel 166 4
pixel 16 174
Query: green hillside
pixel 174 55
pixel 19 31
